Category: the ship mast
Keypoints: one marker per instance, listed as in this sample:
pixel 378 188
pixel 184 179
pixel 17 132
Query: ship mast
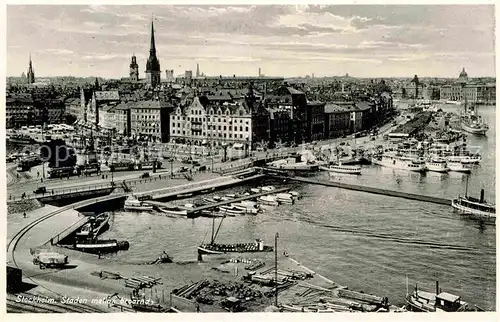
pixel 217 232
pixel 466 185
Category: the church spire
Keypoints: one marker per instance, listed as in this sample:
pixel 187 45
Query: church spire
pixel 152 49
pixel 31 73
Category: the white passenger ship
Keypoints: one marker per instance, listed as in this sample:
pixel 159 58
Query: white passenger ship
pixel 437 165
pixel 400 162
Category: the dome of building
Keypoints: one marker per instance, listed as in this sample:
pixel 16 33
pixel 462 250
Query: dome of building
pixel 463 73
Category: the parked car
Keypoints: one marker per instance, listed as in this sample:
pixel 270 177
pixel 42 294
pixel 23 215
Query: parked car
pixel 40 190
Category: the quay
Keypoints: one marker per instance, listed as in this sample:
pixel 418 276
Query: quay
pixel 220 203
pixel 379 191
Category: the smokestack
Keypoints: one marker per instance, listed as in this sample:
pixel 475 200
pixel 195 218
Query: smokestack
pixel 482 196
pixel 259 72
pixel 437 287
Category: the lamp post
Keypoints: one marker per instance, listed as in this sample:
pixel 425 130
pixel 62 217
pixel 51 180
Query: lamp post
pixel 276 269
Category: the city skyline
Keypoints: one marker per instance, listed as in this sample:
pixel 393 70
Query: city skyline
pixel 362 40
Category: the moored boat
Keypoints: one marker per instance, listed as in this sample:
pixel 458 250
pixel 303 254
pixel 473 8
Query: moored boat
pixel 340 168
pixel 468 205
pixel 437 165
pixel 234 210
pixel 397 162
pixel 465 159
pixel 132 203
pixel 102 246
pixel 268 200
pixel 213 248
pixel 285 198
pixel 422 301
pixel 459 167
pixel 249 207
pixel 173 210
pixel 95 226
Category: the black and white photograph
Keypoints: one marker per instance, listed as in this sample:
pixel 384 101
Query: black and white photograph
pixel 227 158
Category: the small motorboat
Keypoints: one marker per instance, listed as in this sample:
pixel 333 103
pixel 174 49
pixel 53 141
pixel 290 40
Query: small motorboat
pixel 132 203
pixel 173 210
pixel 268 188
pixel 232 210
pixel 295 194
pixel 255 190
pixel 249 207
pixel 95 226
pixel 268 200
pixel 285 198
pixel 217 198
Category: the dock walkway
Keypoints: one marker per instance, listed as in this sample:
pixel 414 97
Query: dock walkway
pixel 379 191
pixel 219 203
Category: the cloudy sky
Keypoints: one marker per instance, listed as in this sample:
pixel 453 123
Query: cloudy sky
pixel 362 40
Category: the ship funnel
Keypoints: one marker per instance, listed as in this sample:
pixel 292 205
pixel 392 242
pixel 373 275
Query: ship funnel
pixel 437 287
pixel 482 196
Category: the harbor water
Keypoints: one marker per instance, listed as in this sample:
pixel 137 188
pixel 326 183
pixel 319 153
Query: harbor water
pixel 364 241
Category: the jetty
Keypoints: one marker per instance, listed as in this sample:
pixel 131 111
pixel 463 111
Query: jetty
pixel 194 210
pixel 379 191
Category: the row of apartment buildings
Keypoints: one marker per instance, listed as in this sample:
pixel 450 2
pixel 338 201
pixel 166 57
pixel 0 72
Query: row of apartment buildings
pixel 216 116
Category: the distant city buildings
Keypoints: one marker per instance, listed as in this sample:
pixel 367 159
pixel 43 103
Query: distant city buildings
pixel 464 90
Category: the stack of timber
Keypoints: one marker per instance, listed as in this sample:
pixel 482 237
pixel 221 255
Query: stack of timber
pixel 188 290
pixel 138 282
pixel 319 299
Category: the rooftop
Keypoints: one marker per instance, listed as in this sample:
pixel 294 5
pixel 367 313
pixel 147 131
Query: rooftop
pixel 448 297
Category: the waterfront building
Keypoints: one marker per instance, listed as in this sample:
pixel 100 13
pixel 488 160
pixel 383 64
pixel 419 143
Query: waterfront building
pixel 117 118
pixel 289 99
pixel 464 89
pixel 134 69
pixel 150 120
pixel 98 100
pixel 153 64
pixel 337 120
pixel 202 122
pixel 19 110
pixel 315 121
pixel 280 125
pixel 31 73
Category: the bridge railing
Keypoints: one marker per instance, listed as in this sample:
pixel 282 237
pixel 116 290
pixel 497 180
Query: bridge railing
pixel 59 191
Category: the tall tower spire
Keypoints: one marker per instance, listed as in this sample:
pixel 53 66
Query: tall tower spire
pixel 152 49
pixel 197 70
pixel 153 64
pixel 31 73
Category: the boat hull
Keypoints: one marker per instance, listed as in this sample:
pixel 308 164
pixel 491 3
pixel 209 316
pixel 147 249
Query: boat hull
pixel 441 169
pixel 239 248
pixel 459 168
pixel 333 169
pixel 474 130
pixel 470 211
pixel 398 165
pixel 138 208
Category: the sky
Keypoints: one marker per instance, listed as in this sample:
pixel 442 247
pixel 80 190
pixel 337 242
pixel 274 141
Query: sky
pixel 283 40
